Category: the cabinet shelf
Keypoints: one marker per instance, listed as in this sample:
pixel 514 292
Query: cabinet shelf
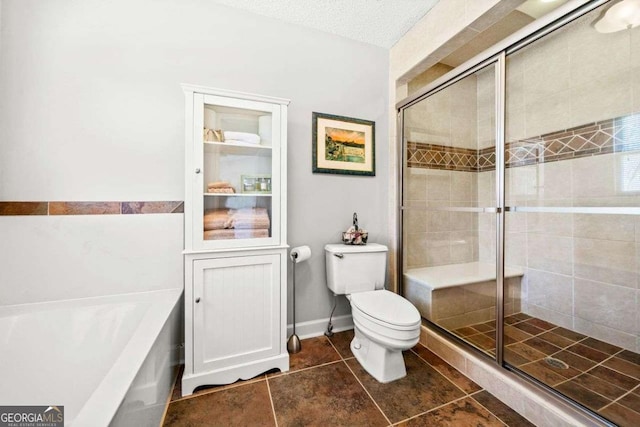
pixel 236 195
pixel 234 148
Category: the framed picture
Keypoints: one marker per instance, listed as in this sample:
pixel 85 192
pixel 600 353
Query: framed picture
pixel 343 145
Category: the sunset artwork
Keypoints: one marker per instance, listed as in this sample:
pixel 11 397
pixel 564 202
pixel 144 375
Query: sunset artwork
pixel 344 145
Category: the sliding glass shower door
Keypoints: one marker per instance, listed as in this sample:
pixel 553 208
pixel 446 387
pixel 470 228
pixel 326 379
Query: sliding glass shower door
pixel 449 207
pixel 572 194
pixel 521 203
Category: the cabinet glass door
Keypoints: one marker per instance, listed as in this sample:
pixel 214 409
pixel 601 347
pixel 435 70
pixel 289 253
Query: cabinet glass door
pixel 237 172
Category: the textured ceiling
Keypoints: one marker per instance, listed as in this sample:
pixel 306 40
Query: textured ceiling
pixel 379 22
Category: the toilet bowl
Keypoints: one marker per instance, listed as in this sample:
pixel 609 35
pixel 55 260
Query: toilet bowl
pixel 385 323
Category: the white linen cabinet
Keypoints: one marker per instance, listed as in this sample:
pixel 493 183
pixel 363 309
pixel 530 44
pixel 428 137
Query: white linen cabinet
pixel 235 257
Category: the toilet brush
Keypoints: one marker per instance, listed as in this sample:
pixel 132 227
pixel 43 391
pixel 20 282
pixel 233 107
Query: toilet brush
pixel 293 345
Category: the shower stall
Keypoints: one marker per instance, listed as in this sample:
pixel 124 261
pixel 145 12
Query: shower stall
pixel 520 208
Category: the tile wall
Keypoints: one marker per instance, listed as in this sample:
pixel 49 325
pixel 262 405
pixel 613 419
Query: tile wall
pixel 441 237
pixel 579 90
pixel 573 139
pixel 581 269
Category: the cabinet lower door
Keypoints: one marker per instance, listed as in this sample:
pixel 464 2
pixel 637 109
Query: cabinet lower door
pixel 237 317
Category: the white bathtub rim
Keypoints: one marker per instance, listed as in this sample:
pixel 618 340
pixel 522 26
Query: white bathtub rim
pixel 444 276
pixel 102 405
pixel 72 302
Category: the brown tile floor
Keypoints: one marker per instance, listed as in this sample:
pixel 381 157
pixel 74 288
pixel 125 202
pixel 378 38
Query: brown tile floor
pixel 603 377
pixel 326 386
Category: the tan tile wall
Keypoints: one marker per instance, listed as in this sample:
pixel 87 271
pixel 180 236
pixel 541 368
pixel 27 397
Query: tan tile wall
pixel 573 77
pixel 444 131
pixel 447 118
pixel 581 269
pixel 439 237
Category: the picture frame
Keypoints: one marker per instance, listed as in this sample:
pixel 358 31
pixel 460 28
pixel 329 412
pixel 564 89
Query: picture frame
pixel 343 145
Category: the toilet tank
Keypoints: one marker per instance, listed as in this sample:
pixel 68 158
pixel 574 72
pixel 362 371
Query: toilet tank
pixel 352 268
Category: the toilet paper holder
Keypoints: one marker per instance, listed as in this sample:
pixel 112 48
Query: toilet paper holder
pixel 298 254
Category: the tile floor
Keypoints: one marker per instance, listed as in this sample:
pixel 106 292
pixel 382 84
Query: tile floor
pixel 603 377
pixel 327 387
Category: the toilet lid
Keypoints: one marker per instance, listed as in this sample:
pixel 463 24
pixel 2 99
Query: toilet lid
pixel 386 307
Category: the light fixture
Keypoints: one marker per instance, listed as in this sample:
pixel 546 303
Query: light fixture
pixel 621 16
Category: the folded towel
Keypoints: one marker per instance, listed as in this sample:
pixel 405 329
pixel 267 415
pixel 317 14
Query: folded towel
pixel 247 138
pixel 235 234
pixel 251 212
pixel 251 223
pixel 250 218
pixel 218 184
pixel 226 190
pixel 216 219
pixel 242 219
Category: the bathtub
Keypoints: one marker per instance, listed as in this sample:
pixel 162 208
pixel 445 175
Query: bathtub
pixel 458 295
pixel 95 356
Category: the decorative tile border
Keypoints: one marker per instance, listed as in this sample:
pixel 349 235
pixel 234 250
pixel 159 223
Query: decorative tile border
pixel 608 136
pixel 152 207
pixel 24 208
pixel 487 159
pixel 431 156
pixel 84 208
pixel 89 208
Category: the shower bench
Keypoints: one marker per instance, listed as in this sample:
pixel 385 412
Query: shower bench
pixel 458 295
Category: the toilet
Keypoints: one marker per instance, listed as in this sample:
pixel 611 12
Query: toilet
pixel 385 323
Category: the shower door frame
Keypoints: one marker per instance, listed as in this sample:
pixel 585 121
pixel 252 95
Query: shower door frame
pixel 495 55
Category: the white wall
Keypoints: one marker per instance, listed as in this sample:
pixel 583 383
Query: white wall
pixel 91 109
pixel 48 258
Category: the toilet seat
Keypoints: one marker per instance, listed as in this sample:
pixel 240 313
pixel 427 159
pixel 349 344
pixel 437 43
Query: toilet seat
pixel 386 309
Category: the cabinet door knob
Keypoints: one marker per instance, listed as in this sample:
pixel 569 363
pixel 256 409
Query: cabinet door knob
pixel 197 300
pixel 197 170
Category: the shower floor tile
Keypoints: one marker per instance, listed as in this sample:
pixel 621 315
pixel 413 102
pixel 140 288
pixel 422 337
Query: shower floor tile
pixel 602 377
pixel 329 387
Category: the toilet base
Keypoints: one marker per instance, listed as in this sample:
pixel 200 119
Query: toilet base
pixel 381 363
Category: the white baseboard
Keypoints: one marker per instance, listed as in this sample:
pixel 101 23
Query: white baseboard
pixel 315 328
